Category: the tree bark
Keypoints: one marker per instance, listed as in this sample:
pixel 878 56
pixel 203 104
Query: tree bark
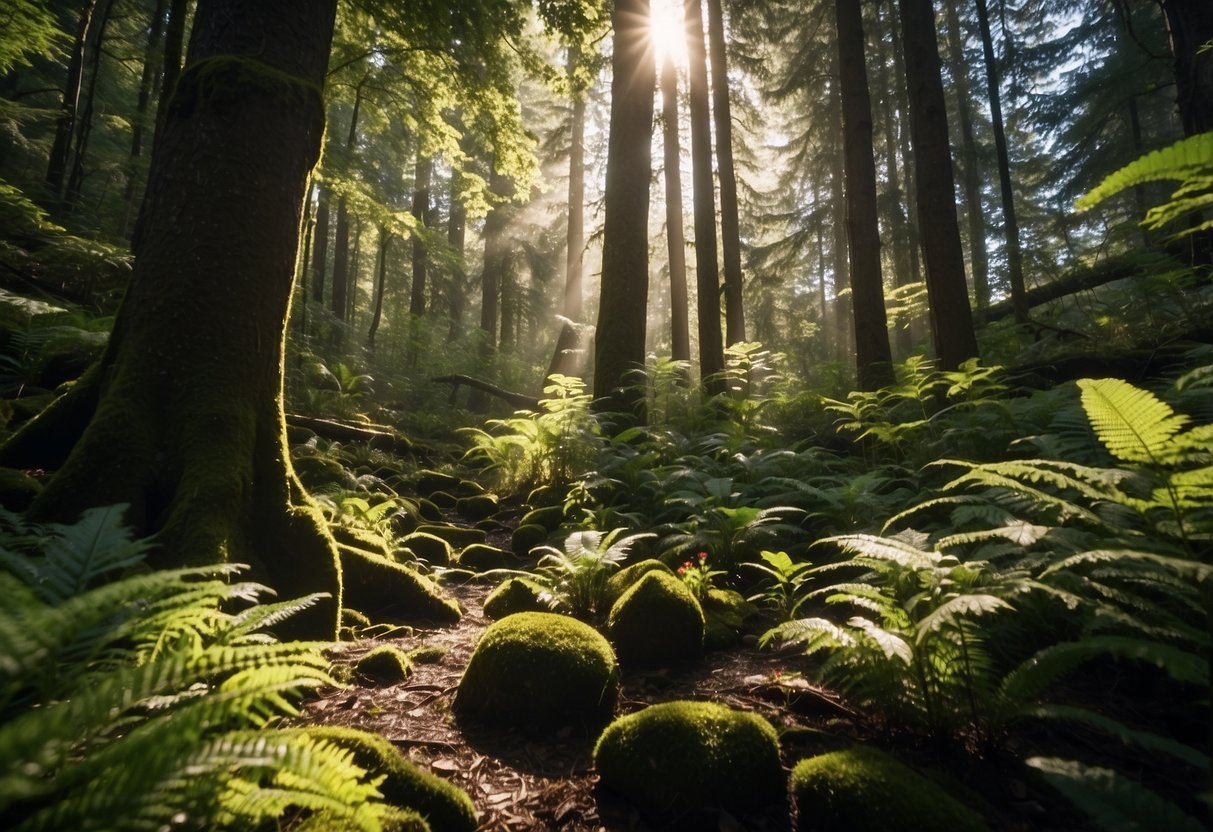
pixel 65 125
pixel 320 255
pixel 385 240
pixel 838 202
pixel 873 359
pixel 496 261
pixel 566 358
pixel 341 239
pixel 907 157
pixel 730 224
pixel 1009 218
pixel 951 318
pixel 421 209
pixel 149 81
pixel 188 426
pixel 680 325
pixel 456 233
pixel 622 307
pixel 174 49
pixel 84 121
pixel 707 269
pixel 1190 25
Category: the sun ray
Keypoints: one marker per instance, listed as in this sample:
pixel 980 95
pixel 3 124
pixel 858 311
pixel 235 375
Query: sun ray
pixel 668 32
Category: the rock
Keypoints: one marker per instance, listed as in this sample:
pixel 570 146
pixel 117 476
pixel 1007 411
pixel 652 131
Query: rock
pixel 657 621
pixel 428 481
pixel 429 547
pixel 457 536
pixel 623 580
pixel 511 596
pixel 386 590
pixel 481 557
pixel 477 507
pixel 384 665
pixel 527 537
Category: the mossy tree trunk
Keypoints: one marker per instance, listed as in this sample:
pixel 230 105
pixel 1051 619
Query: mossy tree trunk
pixel 184 412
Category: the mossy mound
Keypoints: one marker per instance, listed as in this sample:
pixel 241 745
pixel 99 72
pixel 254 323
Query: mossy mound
pixel 384 665
pixel 657 621
pixel 864 790
pixel 17 489
pixel 404 820
pixel 316 471
pixel 467 488
pixel 680 757
pixel 427 481
pixel 550 517
pixel 514 595
pixel 362 539
pixel 457 536
pixel 387 591
pixel 428 510
pixel 725 614
pixel 445 807
pixel 624 579
pixel 527 537
pixel 537 668
pixel 430 548
pixel 481 557
pixel 444 499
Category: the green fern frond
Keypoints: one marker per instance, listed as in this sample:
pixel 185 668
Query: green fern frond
pixel 884 549
pixel 890 644
pixel 1187 569
pixel 1145 740
pixel 951 611
pixel 1181 161
pixel 1020 533
pixel 1134 424
pixel 1112 800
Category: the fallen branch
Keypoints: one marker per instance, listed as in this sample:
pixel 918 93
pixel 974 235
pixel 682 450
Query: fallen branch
pixel 378 436
pixel 520 401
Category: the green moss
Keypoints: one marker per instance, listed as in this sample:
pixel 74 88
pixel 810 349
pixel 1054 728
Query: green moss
pixel 865 790
pixel 17 489
pixel 725 613
pixel 316 471
pixel 514 595
pixel 550 517
pixel 527 537
pixel 428 510
pixel 388 591
pixel 481 557
pixel 445 807
pixel 444 499
pixel 536 668
pixel 546 495
pixel 623 580
pixel 477 507
pixel 428 481
pixel 430 548
pixel 467 488
pixel 362 539
pixel 678 757
pixel 384 665
pixel 457 536
pixel 657 621
pixel 220 77
pixel 396 819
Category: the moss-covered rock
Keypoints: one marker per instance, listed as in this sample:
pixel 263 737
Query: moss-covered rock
pixel 427 481
pixel 537 668
pixel 864 790
pixel 679 757
pixel 405 522
pixel 550 517
pixel 457 536
pixel 511 596
pixel 384 665
pixel 467 488
pixel 623 580
pixel 428 510
pixel 429 547
pixel 481 557
pixel 388 591
pixel 657 621
pixel 17 489
pixel 445 807
pixel 725 614
pixel 526 537
pixel 444 499
pixel 362 539
pixel 315 471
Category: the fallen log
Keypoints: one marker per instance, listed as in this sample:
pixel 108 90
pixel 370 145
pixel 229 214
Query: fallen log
pixel 520 401
pixel 380 437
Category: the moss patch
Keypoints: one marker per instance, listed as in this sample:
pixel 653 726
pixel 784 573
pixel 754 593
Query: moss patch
pixel 384 665
pixel 361 539
pixel 550 517
pixel 864 790
pixel 527 537
pixel 428 481
pixel 679 757
pixel 430 548
pixel 454 535
pixel 725 614
pixel 657 621
pixel 623 580
pixel 514 595
pixel 537 668
pixel 445 807
pixel 481 557
pixel 388 591
pixel 477 507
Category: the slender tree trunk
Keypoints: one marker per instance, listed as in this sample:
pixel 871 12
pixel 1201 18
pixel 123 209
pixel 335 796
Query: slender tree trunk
pixel 184 412
pixel 496 262
pixel 872 356
pixel 978 259
pixel 84 121
pixel 351 292
pixel 707 269
pixel 65 126
pixel 421 209
pixel 385 241
pixel 680 325
pixel 566 359
pixel 508 287
pixel 730 225
pixel 320 258
pixel 842 274
pixel 149 81
pixel 1010 221
pixel 456 233
pixel 907 156
pixel 1190 26
pixel 174 48
pixel 947 291
pixel 341 241
pixel 622 307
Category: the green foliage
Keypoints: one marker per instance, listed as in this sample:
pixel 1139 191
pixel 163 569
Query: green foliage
pixel 576 577
pixel 134 702
pixel 1112 800
pixel 786 583
pixel 698 576
pixel 29 29
pixel 532 449
pixel 1188 161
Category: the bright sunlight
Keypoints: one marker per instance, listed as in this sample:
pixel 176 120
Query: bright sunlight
pixel 667 32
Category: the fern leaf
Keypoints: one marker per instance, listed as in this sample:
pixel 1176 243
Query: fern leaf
pixel 1183 160
pixel 884 549
pixel 1187 569
pixel 80 553
pixel 1134 424
pixel 950 612
pixel 1113 801
pixel 891 644
pixel 1145 740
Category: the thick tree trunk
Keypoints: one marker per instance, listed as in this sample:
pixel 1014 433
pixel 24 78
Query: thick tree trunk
pixel 730 224
pixel 707 269
pixel 65 126
pixel 680 324
pixel 951 318
pixel 421 209
pixel 872 356
pixel 623 304
pixel 978 259
pixel 385 240
pixel 1190 25
pixel 567 358
pixel 188 427
pixel 838 202
pixel 1010 219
